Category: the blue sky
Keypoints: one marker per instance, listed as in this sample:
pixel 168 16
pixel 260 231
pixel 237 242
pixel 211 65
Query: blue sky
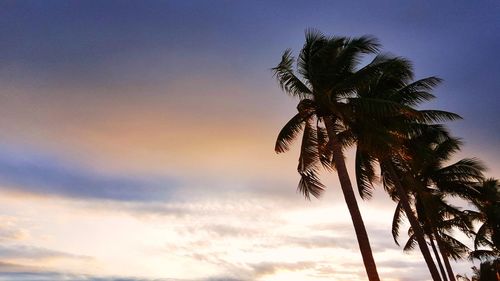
pixel 129 119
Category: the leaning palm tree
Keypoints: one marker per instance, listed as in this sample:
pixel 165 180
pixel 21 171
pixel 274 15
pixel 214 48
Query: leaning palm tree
pixel 438 219
pixel 383 120
pixel 431 181
pixel 329 70
pixel 487 203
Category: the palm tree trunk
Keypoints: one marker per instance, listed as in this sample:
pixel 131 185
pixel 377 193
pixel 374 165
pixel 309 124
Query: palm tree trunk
pixel 352 205
pixel 446 260
pixel 419 234
pixel 438 259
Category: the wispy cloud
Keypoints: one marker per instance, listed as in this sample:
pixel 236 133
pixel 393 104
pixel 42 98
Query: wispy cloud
pixel 26 252
pixel 59 276
pixel 9 230
pixel 269 268
pixel 43 175
pixel 14 272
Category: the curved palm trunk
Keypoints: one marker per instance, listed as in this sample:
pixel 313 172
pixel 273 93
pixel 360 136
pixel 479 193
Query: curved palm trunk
pixel 419 234
pixel 446 260
pixel 352 205
pixel 438 259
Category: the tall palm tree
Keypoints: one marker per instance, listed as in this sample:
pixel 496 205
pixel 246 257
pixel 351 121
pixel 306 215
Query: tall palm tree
pixel 330 72
pixel 431 181
pixel 438 219
pixel 384 119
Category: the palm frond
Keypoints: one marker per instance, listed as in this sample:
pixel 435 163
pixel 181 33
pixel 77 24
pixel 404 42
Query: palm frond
pixel 315 40
pixel 310 184
pixel 388 182
pixel 324 70
pixel 461 189
pixel 287 80
pixel 482 237
pixel 324 148
pixel 395 74
pixel 417 92
pixel 380 108
pixel 444 150
pixel 483 255
pixel 379 79
pixel 410 244
pixel 396 222
pixel 289 132
pixel 345 137
pixel 465 170
pixel 453 247
pixel 309 154
pixel 360 79
pixel 352 50
pixel 424 84
pixel 309 158
pixel 437 116
pixel 365 174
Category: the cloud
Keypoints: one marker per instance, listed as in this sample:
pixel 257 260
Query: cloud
pixel 226 230
pixel 34 253
pixel 221 279
pixel 7 233
pixel 14 272
pixel 12 267
pixel 320 241
pixel 380 238
pixel 43 175
pixel 269 268
pixel 10 231
pixel 58 276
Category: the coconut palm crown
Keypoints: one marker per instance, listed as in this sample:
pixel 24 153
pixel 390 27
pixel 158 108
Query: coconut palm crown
pixel 382 118
pixel 432 181
pixel 329 73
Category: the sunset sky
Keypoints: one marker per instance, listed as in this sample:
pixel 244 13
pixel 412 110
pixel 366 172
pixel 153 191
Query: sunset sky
pixel 136 137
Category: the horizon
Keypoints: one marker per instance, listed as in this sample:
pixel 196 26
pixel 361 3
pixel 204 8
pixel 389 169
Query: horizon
pixel 137 137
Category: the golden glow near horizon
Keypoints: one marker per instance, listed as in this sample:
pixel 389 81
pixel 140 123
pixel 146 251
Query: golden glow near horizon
pixel 241 237
pixel 257 240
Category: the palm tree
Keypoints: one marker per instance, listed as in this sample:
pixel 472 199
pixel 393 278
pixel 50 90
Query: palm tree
pixel 342 106
pixel 437 219
pixel 433 181
pixel 384 119
pixel 487 202
pixel 328 67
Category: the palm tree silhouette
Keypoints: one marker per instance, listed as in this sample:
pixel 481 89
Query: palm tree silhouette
pixel 384 120
pixel 371 107
pixel 328 67
pixel 487 202
pixel 432 180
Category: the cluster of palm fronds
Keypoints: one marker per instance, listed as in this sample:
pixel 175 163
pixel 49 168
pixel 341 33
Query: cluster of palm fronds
pixel 375 108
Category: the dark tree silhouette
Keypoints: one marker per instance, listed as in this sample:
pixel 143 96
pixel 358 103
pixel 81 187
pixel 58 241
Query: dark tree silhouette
pixel 487 203
pixel 384 120
pixel 430 182
pixel 329 70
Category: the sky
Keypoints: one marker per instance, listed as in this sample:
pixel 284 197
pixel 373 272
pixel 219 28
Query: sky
pixel 136 137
